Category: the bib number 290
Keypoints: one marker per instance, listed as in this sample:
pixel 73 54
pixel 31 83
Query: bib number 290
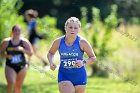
pixel 68 64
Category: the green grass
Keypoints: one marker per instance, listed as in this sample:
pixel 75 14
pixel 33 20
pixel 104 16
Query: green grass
pixel 38 82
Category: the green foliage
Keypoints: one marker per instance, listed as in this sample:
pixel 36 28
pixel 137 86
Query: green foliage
pixel 128 8
pixel 9 16
pixel 100 33
pixel 112 20
pixel 134 20
pixel 106 29
pixel 47 25
pixel 84 14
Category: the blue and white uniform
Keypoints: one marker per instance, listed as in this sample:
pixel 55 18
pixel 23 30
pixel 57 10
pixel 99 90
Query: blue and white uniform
pixel 68 56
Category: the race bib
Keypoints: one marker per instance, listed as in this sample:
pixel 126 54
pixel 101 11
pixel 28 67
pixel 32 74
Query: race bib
pixel 16 59
pixel 68 63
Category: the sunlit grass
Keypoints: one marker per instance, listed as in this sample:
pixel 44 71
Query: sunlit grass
pixel 38 82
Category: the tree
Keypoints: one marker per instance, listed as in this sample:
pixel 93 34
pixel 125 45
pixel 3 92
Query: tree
pixel 100 35
pixel 9 16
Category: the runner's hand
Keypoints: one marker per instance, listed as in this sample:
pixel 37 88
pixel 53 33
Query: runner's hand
pixel 52 66
pixel 79 63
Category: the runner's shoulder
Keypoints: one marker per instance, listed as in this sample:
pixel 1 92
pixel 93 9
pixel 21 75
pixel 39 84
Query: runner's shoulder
pixel 58 39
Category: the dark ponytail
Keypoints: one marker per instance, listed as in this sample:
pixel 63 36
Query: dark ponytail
pixel 13 28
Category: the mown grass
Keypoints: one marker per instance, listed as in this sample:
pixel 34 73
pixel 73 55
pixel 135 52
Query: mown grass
pixel 46 82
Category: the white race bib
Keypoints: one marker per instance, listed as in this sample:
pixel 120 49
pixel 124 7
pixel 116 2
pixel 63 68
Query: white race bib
pixel 68 63
pixel 16 59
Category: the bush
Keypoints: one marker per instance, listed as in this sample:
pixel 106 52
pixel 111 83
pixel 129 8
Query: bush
pixel 100 34
pixel 9 16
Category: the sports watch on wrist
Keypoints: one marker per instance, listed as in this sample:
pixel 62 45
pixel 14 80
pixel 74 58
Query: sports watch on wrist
pixel 84 61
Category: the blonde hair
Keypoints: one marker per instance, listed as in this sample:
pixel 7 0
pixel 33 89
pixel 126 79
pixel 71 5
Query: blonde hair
pixel 72 19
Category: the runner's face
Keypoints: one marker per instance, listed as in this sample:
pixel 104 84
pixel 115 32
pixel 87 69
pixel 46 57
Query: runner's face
pixel 72 28
pixel 16 32
pixel 27 17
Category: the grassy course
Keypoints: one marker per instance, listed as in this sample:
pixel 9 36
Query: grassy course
pixel 39 82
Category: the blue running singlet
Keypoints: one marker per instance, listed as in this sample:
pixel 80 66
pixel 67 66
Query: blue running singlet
pixel 68 56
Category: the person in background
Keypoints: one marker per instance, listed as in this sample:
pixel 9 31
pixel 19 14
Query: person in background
pixel 13 49
pixel 34 36
pixel 72 77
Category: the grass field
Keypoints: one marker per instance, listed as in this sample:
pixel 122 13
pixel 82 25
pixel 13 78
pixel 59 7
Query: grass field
pixel 46 82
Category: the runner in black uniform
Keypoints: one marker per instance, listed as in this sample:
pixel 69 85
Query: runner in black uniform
pixel 18 59
pixel 13 49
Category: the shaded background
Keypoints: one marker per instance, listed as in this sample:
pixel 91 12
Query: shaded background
pixel 62 9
